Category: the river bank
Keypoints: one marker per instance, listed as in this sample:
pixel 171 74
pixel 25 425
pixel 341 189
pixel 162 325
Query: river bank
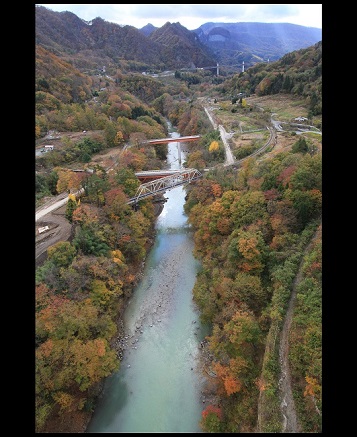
pixel 162 310
pixel 78 421
pixel 163 339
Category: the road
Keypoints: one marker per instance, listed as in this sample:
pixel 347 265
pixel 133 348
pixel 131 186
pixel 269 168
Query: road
pixel 229 156
pixel 58 229
pixel 52 205
pixel 52 215
pixel 290 419
pixel 211 119
pixel 225 136
pixel 299 128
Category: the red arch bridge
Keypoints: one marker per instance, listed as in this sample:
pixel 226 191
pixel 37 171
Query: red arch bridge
pixel 162 183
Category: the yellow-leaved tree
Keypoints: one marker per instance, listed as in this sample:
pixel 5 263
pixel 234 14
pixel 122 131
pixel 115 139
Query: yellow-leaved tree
pixel 119 138
pixel 213 147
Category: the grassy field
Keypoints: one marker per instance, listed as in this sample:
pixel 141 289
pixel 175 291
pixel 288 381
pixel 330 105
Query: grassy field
pixel 247 126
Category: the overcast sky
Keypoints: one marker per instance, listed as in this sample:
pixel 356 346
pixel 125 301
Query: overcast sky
pixel 193 16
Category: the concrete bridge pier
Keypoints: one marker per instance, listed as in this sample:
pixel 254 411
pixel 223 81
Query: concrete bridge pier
pixel 179 152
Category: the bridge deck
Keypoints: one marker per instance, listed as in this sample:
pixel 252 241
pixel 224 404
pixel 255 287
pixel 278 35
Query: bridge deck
pixel 150 175
pixel 172 140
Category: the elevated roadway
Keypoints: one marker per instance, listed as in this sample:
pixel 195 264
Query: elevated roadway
pixel 150 175
pixel 174 140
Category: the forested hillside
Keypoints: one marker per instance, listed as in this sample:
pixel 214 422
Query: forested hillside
pixel 252 224
pixel 92 45
pixel 297 73
pixel 250 235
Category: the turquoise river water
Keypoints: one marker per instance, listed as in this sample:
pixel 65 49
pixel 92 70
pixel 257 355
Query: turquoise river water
pixel 158 387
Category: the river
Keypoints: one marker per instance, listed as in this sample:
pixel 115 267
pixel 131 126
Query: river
pixel 158 387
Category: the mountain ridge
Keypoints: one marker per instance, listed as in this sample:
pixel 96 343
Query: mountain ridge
pixel 172 46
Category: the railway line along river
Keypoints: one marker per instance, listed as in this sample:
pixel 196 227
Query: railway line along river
pixel 158 387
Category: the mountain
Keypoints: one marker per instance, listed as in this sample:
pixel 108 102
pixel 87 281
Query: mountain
pixel 183 45
pixel 97 43
pixel 52 89
pixel 91 45
pixel 233 43
pixel 148 29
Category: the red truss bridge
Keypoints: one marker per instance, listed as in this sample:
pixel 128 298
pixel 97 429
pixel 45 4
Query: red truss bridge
pixel 161 184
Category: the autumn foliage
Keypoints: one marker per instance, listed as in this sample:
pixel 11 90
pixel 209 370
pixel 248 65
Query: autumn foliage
pixel 211 419
pixel 244 234
pixel 249 225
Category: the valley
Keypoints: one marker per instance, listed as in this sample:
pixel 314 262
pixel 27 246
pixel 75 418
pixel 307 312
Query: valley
pixel 254 220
